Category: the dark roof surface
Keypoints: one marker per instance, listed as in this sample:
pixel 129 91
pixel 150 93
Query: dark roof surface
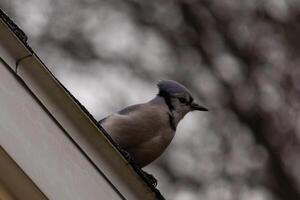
pixel 22 36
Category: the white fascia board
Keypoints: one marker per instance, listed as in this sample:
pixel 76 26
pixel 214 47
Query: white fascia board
pixel 72 118
pixel 15 181
pixel 43 150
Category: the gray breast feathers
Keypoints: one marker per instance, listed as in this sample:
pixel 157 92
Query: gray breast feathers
pixel 136 124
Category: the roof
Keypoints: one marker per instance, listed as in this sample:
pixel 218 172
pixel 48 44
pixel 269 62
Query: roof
pixel 22 53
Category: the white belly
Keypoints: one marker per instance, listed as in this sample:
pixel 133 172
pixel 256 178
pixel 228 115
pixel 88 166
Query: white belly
pixel 148 151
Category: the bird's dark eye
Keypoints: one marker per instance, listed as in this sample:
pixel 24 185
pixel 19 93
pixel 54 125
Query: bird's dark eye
pixel 182 100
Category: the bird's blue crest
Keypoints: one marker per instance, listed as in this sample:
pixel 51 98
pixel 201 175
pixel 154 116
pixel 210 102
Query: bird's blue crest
pixel 171 87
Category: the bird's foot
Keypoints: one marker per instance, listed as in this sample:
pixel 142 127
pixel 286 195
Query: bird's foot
pixel 126 155
pixel 150 178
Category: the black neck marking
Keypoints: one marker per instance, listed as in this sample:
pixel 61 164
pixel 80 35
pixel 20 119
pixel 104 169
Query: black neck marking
pixel 171 121
pixel 167 99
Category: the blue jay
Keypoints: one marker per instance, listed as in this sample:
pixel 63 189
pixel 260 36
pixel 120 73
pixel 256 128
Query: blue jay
pixel 145 130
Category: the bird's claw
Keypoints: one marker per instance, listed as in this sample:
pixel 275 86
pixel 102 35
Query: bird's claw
pixel 126 155
pixel 150 178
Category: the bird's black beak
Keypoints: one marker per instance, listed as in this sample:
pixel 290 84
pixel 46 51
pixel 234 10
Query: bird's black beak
pixel 195 106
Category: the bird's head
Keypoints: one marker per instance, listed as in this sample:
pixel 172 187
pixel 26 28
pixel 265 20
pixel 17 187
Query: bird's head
pixel 178 98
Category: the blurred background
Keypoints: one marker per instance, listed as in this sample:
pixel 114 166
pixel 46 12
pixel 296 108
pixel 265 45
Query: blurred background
pixel 238 57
